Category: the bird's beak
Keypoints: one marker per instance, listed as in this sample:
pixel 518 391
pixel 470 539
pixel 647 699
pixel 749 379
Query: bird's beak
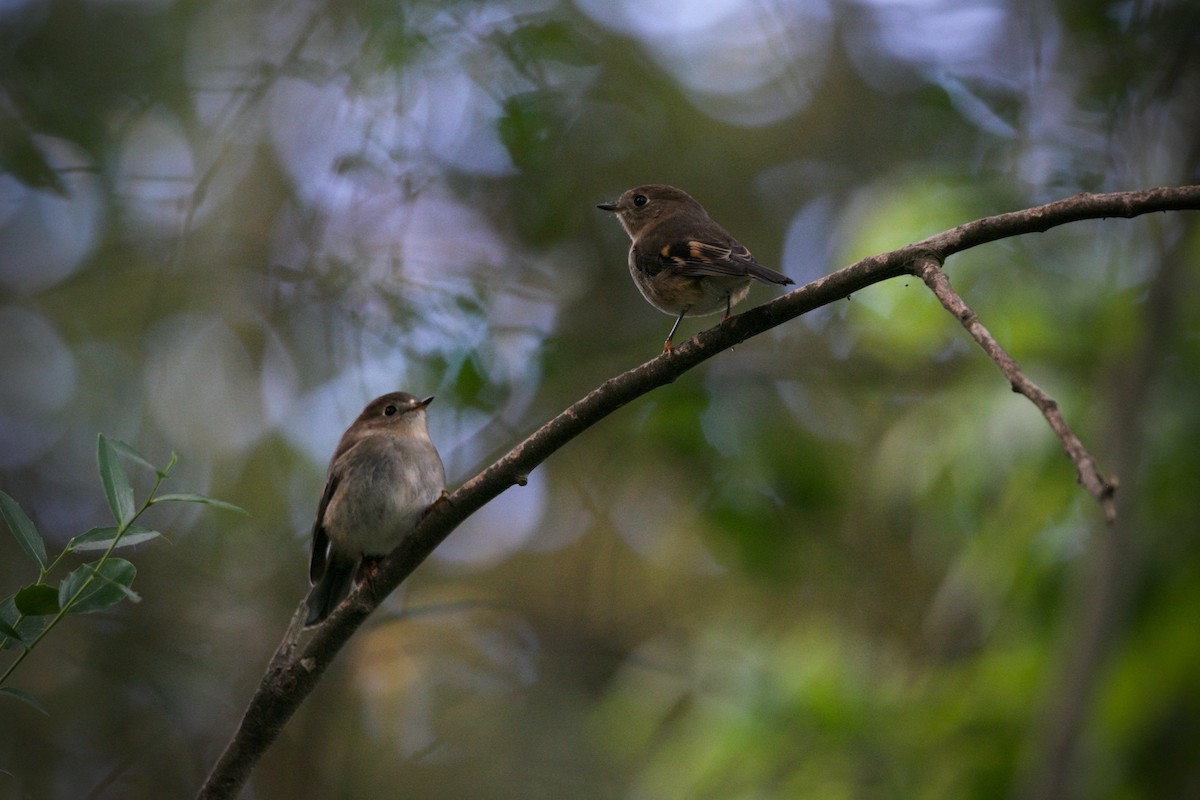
pixel 425 402
pixel 607 206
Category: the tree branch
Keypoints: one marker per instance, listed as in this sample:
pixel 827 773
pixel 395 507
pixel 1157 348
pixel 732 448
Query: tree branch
pixel 929 270
pixel 292 675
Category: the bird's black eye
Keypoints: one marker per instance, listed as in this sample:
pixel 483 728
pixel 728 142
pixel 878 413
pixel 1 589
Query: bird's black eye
pixel 640 200
pixel 387 412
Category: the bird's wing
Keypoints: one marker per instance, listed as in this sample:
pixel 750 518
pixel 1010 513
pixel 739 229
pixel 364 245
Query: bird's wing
pixel 698 259
pixel 320 539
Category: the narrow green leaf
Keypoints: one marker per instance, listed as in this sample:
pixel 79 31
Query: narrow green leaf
pixel 23 529
pixel 101 538
pixel 37 600
pixel 9 631
pixel 127 450
pixel 24 697
pixel 109 586
pixel 69 585
pixel 192 497
pixel 25 628
pixel 116 482
pixel 165 471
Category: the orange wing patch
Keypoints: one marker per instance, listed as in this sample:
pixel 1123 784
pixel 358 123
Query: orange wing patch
pixel 706 252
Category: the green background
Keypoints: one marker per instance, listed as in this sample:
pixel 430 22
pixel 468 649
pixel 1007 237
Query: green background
pixel 842 560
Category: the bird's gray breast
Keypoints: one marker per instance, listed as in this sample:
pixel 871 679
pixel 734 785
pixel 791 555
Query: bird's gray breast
pixel 386 483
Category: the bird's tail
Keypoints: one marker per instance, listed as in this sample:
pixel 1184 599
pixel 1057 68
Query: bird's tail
pixel 767 275
pixel 330 590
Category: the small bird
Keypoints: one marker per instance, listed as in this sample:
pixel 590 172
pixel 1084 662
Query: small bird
pixel 383 476
pixel 682 261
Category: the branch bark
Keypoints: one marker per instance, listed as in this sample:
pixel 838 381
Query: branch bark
pixel 1100 487
pixel 292 674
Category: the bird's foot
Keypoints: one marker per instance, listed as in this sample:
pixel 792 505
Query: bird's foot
pixel 368 568
pixel 443 499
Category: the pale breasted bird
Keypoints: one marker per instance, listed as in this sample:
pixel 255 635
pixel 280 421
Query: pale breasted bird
pixel 383 477
pixel 683 262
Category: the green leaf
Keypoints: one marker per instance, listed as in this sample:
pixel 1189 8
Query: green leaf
pixel 165 471
pixel 9 631
pixel 550 41
pixel 26 629
pixel 24 697
pixel 101 538
pixel 37 600
pixel 23 529
pixel 192 497
pixel 127 450
pixel 469 382
pixel 116 482
pixel 109 585
pixel 530 122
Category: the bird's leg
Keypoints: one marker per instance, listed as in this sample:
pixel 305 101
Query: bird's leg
pixel 671 335
pixel 443 499
pixel 367 569
pixel 728 311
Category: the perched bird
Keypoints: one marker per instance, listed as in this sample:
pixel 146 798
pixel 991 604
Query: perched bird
pixel 383 476
pixel 682 261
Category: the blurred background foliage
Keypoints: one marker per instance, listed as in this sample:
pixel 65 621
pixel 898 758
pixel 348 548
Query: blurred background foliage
pixel 840 561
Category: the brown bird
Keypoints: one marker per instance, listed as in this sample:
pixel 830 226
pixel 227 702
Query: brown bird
pixel 382 478
pixel 683 262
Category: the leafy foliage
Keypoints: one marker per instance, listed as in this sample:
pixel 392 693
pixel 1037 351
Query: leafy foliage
pixel 27 616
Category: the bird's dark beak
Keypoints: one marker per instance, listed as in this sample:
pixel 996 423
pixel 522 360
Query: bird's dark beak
pixel 425 402
pixel 607 206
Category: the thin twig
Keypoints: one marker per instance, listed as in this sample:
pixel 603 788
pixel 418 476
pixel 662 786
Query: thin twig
pixel 929 270
pixel 291 677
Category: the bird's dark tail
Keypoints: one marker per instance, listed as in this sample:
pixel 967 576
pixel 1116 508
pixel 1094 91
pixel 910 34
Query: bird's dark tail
pixel 329 591
pixel 766 274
